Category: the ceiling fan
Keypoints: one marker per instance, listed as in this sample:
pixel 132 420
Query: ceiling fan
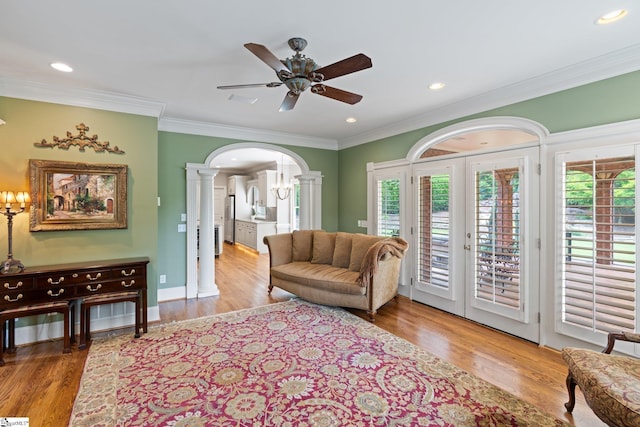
pixel 299 73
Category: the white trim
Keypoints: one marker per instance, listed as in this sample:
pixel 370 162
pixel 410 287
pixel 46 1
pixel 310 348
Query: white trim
pixel 80 97
pixel 613 64
pixel 169 124
pixel 174 293
pixel 304 167
pixel 606 66
pixel 477 125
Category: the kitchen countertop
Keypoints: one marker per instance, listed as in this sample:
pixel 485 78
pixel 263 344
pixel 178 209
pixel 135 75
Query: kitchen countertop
pixel 257 221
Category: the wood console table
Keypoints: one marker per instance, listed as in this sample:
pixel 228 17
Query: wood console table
pixel 73 281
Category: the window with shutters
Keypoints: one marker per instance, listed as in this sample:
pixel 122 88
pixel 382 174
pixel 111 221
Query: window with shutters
pixel 433 230
pixel 388 207
pixel 598 252
pixel 497 236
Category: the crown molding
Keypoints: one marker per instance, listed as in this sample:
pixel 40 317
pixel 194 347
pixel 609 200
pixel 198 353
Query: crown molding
pixel 605 66
pixel 168 124
pixel 34 91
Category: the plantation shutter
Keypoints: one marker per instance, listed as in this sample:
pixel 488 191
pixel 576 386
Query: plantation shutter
pixel 388 207
pixel 598 254
pixel 433 230
pixel 497 236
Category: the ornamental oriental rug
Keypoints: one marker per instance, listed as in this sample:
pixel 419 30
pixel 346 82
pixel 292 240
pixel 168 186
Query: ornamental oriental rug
pixel 287 364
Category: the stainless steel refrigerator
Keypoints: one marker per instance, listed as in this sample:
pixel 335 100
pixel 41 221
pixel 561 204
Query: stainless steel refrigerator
pixel 230 219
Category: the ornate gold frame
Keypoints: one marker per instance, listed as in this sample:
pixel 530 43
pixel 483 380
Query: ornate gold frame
pixel 77 196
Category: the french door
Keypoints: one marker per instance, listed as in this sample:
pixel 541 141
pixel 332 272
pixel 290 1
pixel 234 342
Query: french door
pixel 476 238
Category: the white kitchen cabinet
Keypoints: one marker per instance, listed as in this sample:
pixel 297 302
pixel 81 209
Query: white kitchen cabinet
pixel 266 181
pixel 251 234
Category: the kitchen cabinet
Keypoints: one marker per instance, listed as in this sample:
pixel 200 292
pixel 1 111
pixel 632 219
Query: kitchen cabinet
pixel 266 181
pixel 251 234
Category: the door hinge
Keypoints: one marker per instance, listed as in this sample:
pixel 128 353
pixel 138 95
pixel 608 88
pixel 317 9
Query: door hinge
pixel 539 168
pixel 411 282
pixel 539 243
pixel 412 230
pixel 539 317
pixel 411 179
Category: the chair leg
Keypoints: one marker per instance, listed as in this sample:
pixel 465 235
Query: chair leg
pixel 571 387
pixel 3 329
pixel 138 321
pixel 67 338
pixel 11 343
pixel 84 326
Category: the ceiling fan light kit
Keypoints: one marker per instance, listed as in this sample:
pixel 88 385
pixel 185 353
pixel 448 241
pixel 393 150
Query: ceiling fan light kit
pixel 299 73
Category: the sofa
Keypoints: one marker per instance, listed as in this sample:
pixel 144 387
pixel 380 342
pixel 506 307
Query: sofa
pixel 340 269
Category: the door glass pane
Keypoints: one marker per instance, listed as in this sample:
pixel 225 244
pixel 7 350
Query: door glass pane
pixel 433 230
pixel 497 236
pixel 599 248
pixel 388 207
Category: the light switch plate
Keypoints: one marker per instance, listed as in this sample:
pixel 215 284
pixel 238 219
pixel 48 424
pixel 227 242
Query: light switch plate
pixel 182 228
pixel 183 217
pixel 362 223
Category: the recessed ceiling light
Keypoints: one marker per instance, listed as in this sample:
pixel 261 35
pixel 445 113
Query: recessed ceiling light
pixel 436 86
pixel 60 66
pixel 351 120
pixel 613 16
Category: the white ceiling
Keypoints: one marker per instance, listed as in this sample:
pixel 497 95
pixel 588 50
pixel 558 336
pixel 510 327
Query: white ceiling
pixel 169 56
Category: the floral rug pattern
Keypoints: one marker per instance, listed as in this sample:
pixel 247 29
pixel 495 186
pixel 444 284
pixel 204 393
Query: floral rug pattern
pixel 285 364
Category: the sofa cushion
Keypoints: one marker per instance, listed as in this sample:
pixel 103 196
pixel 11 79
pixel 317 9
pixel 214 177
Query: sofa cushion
pixel 342 251
pixel 323 245
pixel 302 241
pixel 326 277
pixel 360 244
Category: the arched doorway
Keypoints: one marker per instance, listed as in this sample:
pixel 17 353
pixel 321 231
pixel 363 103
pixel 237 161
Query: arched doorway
pixel 200 185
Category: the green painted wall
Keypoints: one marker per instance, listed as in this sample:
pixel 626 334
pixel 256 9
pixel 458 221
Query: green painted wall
pixel 607 101
pixel 28 122
pixel 175 150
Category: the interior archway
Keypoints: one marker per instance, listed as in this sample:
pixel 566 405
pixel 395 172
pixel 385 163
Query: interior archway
pixel 200 204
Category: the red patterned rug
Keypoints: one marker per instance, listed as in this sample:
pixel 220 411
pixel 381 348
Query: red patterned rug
pixel 286 364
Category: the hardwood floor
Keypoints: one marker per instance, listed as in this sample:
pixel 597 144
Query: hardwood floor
pixel 41 383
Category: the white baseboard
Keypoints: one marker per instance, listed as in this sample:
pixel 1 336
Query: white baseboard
pixel 48 331
pixel 168 294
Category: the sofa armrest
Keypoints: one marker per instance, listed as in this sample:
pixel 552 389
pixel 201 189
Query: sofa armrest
pixel 280 248
pixel 383 285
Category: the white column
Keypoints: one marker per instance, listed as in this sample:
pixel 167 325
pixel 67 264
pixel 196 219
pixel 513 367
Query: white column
pixel 207 283
pixel 193 189
pixel 305 201
pixel 316 192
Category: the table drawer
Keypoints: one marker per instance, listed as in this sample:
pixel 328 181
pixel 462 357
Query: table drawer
pixel 114 285
pixel 130 271
pixel 72 278
pixel 13 283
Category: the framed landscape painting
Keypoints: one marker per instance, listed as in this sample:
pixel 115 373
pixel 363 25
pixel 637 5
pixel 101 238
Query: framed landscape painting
pixel 77 196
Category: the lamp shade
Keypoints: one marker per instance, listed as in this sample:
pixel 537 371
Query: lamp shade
pixel 8 198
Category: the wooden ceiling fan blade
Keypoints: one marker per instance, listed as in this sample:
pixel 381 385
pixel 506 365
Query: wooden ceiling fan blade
pixel 346 66
pixel 289 101
pixel 272 84
pixel 337 94
pixel 267 57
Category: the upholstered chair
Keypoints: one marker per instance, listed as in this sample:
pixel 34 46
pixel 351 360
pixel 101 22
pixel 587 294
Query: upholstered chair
pixel 610 383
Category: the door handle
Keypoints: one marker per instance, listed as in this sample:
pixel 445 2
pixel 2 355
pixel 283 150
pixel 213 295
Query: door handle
pixel 467 247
